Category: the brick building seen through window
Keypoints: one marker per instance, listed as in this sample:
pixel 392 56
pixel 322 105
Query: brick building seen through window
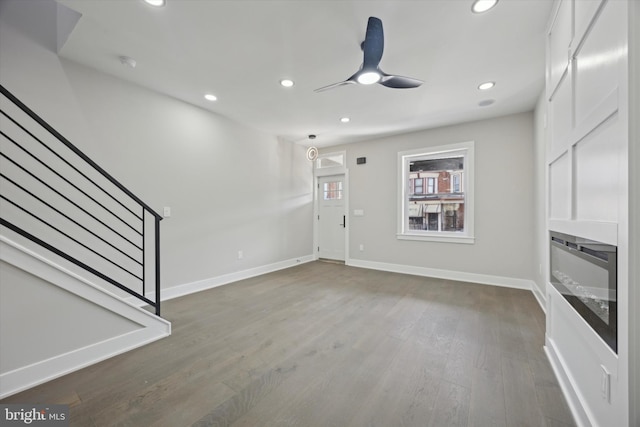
pixel 436 195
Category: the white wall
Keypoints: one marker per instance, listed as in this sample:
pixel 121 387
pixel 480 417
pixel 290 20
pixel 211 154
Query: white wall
pixel 634 212
pixel 587 96
pixel 229 187
pixel 540 234
pixel 503 200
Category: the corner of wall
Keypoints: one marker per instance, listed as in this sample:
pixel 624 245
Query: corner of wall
pixel 634 212
pixel 225 279
pixel 540 260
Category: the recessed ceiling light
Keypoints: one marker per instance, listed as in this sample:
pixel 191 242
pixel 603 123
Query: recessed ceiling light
pixel 486 102
pixel 345 119
pixel 486 85
pixel 155 3
pixel 210 97
pixel 480 6
pixel 286 83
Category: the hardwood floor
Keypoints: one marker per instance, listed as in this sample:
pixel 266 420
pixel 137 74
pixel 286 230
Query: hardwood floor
pixel 329 345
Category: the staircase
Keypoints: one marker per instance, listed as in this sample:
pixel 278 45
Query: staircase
pixel 79 256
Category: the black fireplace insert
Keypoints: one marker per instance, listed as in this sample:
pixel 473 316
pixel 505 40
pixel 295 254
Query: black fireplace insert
pixel 585 273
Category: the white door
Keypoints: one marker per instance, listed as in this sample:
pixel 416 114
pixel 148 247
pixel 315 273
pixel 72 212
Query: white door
pixel 331 217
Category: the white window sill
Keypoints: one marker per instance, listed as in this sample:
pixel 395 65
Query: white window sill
pixel 440 237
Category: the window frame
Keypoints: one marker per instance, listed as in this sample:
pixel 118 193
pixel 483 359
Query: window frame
pixel 467 149
pixel 339 159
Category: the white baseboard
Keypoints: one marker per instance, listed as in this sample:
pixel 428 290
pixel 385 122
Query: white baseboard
pixel 32 375
pixel 563 376
pixel 151 327
pixel 201 285
pixel 484 279
pixel 213 282
pixel 540 297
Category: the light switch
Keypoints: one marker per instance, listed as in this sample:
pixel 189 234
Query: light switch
pixel 358 212
pixel 166 212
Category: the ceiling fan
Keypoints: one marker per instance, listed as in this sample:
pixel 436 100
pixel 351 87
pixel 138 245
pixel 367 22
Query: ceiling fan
pixel 370 72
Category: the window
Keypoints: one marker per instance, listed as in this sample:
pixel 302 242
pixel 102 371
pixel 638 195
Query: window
pixel 330 160
pixel 455 183
pixel 435 188
pixel 431 186
pixel 418 186
pixel 332 190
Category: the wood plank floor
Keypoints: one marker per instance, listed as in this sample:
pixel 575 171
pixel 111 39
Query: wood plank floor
pixel 324 344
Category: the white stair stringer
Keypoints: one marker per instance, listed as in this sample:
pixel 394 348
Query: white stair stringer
pixel 134 328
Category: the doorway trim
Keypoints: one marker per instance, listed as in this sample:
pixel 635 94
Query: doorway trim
pixel 329 171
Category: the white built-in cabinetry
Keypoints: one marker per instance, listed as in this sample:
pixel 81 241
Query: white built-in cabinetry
pixel 587 107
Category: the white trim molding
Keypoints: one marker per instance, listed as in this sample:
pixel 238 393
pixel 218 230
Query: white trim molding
pixel 483 279
pixel 152 327
pixel 542 300
pixel 43 371
pixel 465 150
pixel 225 279
pixel 567 385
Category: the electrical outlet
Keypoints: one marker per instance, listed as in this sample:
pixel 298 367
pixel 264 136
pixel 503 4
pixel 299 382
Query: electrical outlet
pixel 240 255
pixel 166 212
pixel 361 247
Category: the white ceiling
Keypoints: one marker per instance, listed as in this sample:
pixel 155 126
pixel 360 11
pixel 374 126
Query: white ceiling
pixel 240 49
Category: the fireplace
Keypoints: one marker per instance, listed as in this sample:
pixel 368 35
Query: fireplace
pixel 585 273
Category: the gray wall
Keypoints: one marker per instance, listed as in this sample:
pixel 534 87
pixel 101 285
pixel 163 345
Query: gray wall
pixel 230 187
pixel 503 199
pixel 40 321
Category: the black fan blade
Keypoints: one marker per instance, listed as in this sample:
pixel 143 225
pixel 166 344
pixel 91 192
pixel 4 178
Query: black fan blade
pixel 346 82
pixel 399 82
pixel 373 44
